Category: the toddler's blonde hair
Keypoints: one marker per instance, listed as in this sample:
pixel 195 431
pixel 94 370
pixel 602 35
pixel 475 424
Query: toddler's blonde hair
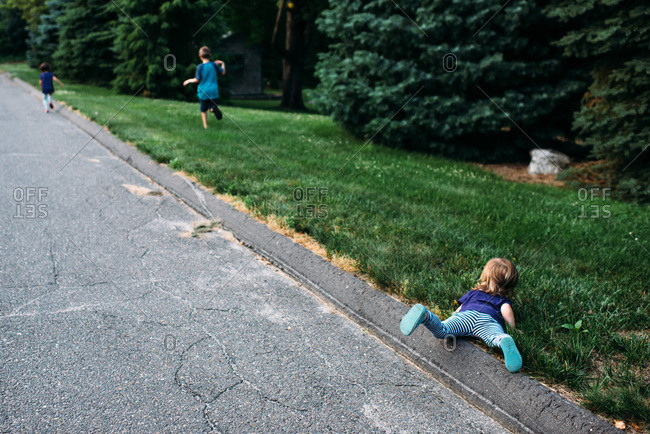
pixel 498 277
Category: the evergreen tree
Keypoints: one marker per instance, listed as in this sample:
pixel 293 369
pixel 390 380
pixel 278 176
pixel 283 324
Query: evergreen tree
pixel 44 42
pixel 85 40
pixel 157 44
pixel 12 32
pixel 455 68
pixel 614 37
pixel 30 10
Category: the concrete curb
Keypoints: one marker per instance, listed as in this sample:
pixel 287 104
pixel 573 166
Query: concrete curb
pixel 518 402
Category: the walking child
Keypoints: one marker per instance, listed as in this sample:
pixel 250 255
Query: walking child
pixel 482 314
pixel 47 86
pixel 208 89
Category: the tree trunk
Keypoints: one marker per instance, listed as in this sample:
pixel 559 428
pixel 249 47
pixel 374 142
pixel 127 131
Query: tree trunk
pixel 294 58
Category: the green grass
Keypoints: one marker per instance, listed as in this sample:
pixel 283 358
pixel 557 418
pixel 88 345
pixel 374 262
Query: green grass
pixel 268 104
pixel 424 227
pixel 264 104
pixel 12 58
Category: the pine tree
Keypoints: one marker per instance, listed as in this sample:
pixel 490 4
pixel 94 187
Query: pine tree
pixel 30 10
pixel 444 73
pixel 157 44
pixel 12 32
pixel 85 40
pixel 44 42
pixel 614 37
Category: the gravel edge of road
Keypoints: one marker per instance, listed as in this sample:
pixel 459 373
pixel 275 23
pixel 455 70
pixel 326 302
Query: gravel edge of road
pixel 519 403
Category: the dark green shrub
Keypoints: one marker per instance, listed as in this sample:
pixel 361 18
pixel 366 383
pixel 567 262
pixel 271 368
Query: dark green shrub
pixel 614 37
pixel 44 42
pixel 86 34
pixel 12 33
pixel 157 44
pixel 380 61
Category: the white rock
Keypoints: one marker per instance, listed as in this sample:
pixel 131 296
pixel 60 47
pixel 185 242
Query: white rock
pixel 547 161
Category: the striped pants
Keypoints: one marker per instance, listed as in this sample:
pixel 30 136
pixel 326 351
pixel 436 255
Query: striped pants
pixel 467 323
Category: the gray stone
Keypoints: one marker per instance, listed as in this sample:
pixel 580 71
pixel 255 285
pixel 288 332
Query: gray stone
pixel 547 162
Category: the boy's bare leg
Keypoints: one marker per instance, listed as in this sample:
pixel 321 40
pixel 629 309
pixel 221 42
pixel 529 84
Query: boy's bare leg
pixel 204 116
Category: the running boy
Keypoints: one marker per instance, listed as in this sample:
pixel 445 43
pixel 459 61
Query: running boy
pixel 483 312
pixel 208 89
pixel 47 86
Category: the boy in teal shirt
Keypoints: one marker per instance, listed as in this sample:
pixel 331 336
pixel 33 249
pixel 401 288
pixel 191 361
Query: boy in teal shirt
pixel 208 89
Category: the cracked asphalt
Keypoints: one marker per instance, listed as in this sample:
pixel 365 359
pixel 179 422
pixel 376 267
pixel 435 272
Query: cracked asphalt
pixel 113 318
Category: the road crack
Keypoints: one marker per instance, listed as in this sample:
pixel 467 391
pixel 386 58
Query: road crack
pixel 55 271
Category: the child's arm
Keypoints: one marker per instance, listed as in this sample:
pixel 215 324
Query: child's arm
pixel 40 83
pixel 190 80
pixel 58 81
pixel 508 314
pixel 221 65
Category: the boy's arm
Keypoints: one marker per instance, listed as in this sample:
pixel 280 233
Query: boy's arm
pixel 40 83
pixel 508 314
pixel 222 66
pixel 196 78
pixel 58 81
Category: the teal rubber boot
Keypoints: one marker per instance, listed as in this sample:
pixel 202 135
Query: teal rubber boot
pixel 413 319
pixel 511 354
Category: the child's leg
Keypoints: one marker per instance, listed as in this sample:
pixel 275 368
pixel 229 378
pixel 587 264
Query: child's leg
pixel 488 330
pixel 45 102
pixel 204 105
pixel 217 112
pixel 491 332
pixel 49 100
pixel 459 324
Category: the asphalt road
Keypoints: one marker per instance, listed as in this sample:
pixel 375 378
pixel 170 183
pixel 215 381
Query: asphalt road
pixel 113 318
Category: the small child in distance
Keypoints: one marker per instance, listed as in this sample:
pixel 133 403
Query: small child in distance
pixel 208 89
pixel 47 86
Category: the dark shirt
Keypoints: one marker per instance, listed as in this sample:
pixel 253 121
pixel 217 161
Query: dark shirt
pixel 46 82
pixel 479 301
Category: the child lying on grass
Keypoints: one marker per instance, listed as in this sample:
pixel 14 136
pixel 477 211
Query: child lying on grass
pixel 483 312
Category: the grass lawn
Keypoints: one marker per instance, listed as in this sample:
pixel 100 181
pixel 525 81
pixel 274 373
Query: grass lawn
pixel 423 227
